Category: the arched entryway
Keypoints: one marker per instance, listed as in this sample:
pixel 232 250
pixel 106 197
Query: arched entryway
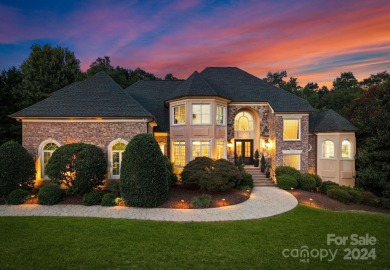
pixel 244 135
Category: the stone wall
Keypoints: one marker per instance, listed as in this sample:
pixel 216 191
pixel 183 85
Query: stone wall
pixel 97 133
pixel 313 153
pixel 303 144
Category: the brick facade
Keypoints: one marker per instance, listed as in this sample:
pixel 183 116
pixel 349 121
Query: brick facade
pixel 313 153
pixel 97 133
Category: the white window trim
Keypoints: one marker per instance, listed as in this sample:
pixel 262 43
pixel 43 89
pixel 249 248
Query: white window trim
pixel 224 114
pixel 211 114
pixel 201 140
pixel 173 152
pixel 40 154
pixel 334 150
pixel 299 129
pixel 173 114
pixel 109 147
pixel 351 154
pixel 224 148
pixel 293 152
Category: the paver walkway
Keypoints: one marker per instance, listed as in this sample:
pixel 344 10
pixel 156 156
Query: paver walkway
pixel 264 202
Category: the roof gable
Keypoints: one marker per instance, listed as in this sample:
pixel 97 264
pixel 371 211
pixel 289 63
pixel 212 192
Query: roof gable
pixel 195 85
pixel 329 120
pixel 99 96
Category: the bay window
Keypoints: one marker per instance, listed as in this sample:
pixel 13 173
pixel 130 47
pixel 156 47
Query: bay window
pixel 200 149
pixel 179 115
pixel 201 114
pixel 179 153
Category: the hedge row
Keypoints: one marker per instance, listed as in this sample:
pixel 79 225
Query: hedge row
pixel 296 179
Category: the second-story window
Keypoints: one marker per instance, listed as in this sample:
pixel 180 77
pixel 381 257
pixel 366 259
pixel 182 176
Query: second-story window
pixel 179 114
pixel 201 114
pixel 220 115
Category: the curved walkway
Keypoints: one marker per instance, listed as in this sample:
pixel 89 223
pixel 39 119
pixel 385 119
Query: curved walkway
pixel 264 202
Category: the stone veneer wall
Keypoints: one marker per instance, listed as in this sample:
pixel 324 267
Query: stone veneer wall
pixel 97 133
pixel 313 154
pixel 303 144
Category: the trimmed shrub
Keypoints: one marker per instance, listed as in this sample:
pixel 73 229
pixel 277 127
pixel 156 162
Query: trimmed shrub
pixel 339 194
pixel 326 185
pixel 171 174
pixel 144 177
pixel 356 196
pixel 370 199
pixel 384 203
pixel 247 180
pixel 49 195
pixel 17 168
pixel 108 199
pixel 197 169
pixel 79 166
pixel 286 181
pixel 281 170
pixel 218 175
pixel 18 196
pixel 307 182
pixel 202 201
pixel 318 180
pixel 92 198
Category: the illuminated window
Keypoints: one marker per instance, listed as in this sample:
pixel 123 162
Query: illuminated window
pixel 346 149
pixel 200 149
pixel 162 148
pixel 201 114
pixel 292 160
pixel 179 154
pixel 47 151
pixel 220 115
pixel 116 158
pixel 220 150
pixel 179 115
pixel 243 121
pixel 291 129
pixel 328 149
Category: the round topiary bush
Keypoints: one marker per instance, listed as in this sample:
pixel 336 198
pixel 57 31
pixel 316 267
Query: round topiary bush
pixel 144 176
pixel 18 196
pixel 171 174
pixel 247 180
pixel 307 182
pixel 17 168
pixel 197 170
pixel 108 199
pixel 49 195
pixel 339 194
pixel 92 198
pixel 286 181
pixel 79 166
pixel 281 170
pixel 223 176
pixel 326 185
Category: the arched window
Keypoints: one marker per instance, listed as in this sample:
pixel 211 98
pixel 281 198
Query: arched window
pixel 328 149
pixel 243 121
pixel 115 150
pixel 46 150
pixel 346 149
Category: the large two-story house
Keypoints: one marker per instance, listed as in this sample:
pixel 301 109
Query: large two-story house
pixel 221 112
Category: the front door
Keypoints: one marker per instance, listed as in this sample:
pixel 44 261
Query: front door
pixel 244 149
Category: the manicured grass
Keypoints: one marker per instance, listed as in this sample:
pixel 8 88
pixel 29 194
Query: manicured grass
pixel 94 243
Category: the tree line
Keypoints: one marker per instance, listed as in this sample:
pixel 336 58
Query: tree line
pixel 365 103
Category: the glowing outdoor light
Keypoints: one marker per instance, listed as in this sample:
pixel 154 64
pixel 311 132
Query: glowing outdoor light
pixel 223 202
pixel 182 203
pixel 310 200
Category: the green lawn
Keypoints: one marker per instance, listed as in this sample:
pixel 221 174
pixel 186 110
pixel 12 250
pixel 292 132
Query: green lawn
pixel 95 243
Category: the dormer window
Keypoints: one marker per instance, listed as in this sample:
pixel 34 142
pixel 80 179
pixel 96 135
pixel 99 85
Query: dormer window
pixel 179 115
pixel 201 114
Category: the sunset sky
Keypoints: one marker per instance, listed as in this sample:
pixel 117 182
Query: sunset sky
pixel 313 40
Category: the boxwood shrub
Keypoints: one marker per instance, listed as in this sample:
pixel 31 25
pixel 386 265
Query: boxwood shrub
pixel 286 181
pixel 17 168
pixel 281 170
pixel 18 196
pixel 202 201
pixel 171 174
pixel 108 199
pixel 307 182
pixel 144 176
pixel 92 198
pixel 326 185
pixel 49 195
pixel 81 167
pixel 197 170
pixel 339 194
pixel 247 180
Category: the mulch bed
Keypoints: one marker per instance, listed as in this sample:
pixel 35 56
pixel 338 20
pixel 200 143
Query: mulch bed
pixel 322 201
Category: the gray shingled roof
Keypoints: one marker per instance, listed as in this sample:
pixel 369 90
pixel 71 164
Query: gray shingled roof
pixel 195 85
pixel 152 94
pixel 329 120
pixel 99 96
pixel 239 86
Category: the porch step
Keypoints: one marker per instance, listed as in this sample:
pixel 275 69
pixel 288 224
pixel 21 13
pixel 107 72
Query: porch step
pixel 259 178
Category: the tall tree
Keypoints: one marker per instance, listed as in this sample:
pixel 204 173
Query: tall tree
pixel 170 77
pixel 46 70
pixel 292 85
pixel 276 78
pixel 377 79
pixel 371 114
pixel 100 64
pixel 10 82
